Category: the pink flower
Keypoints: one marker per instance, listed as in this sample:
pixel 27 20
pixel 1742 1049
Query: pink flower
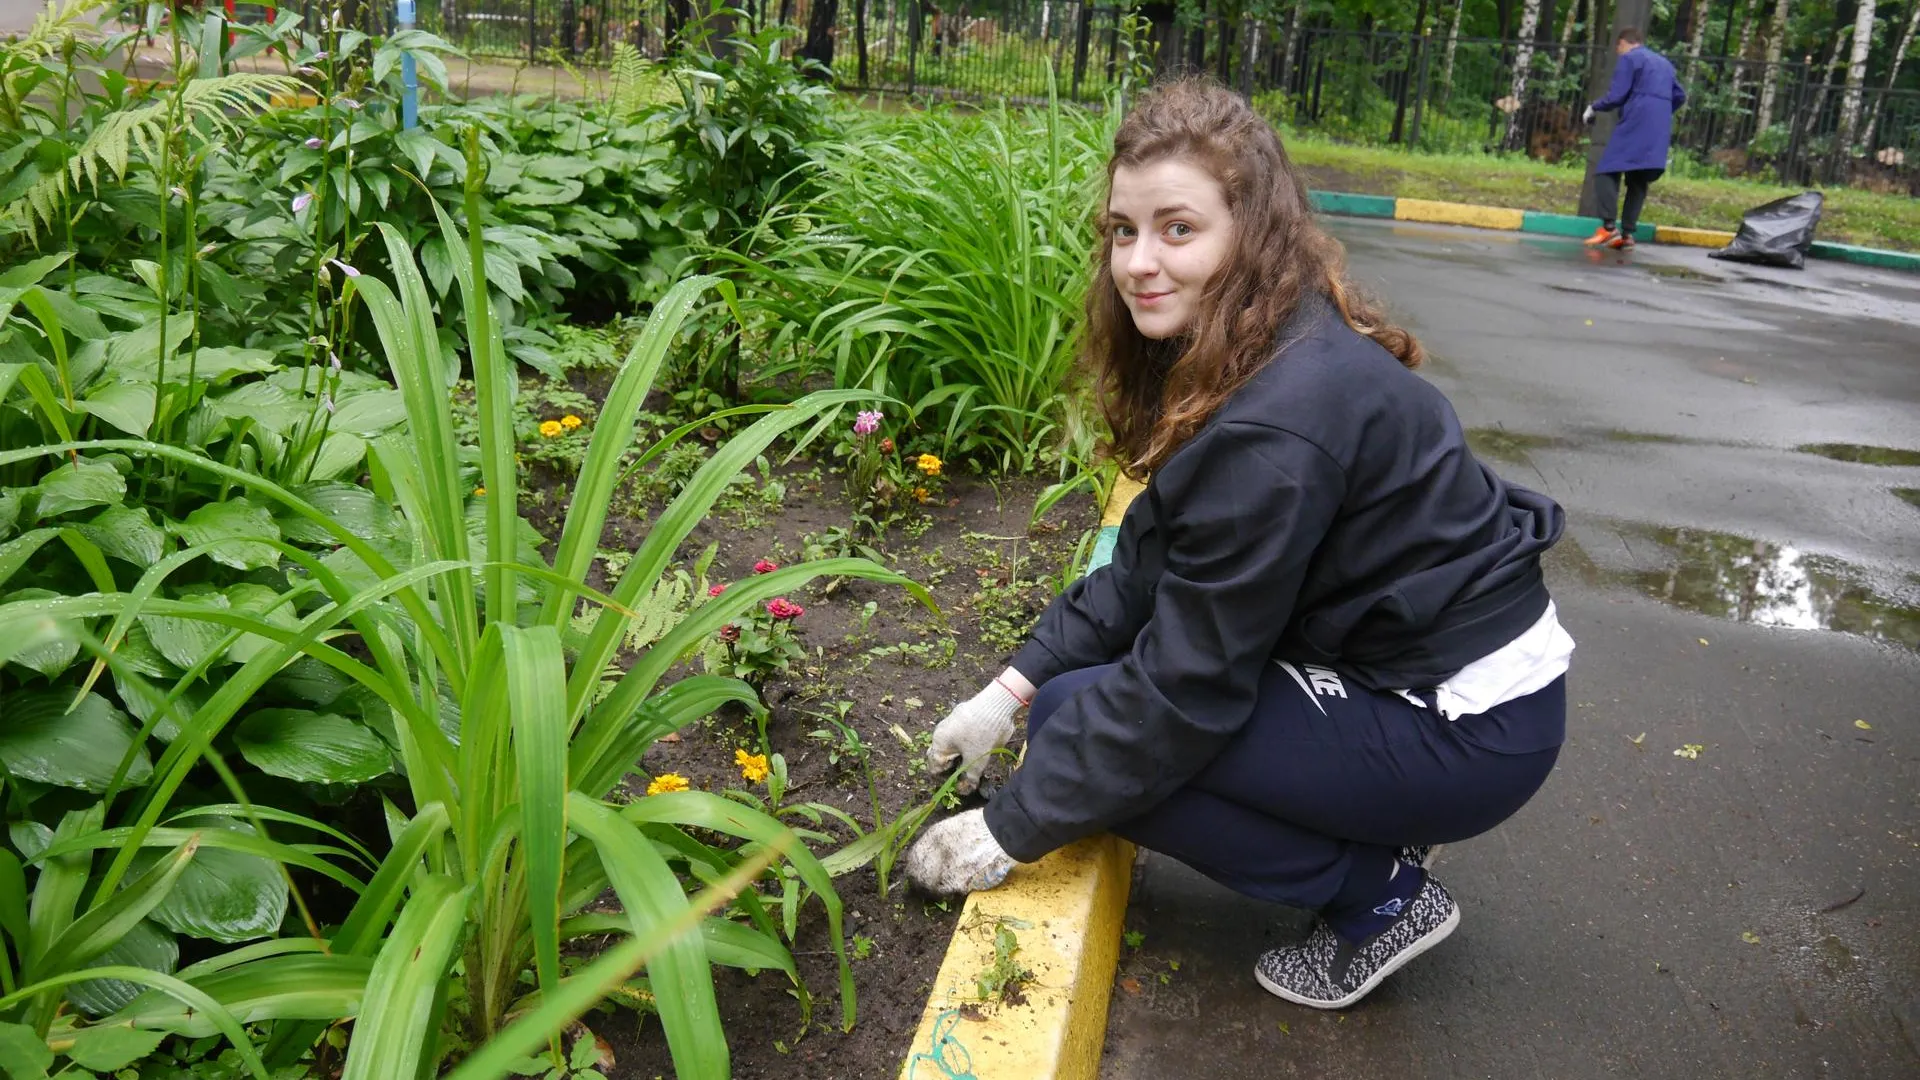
pixel 765 567
pixel 302 201
pixel 783 609
pixel 886 445
pixel 867 422
pixel 314 143
pixel 716 590
pixel 729 633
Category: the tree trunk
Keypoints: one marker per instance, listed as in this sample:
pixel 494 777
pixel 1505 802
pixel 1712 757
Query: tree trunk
pixel 1522 65
pixel 1290 47
pixel 1893 69
pixel 1740 53
pixel 1566 28
pixel 1856 73
pixel 860 37
pixel 1453 42
pixel 1698 36
pixel 1776 39
pixel 1408 84
pixel 1825 74
pixel 819 46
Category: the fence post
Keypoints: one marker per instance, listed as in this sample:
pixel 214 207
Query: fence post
pixel 1420 89
pixel 409 78
pixel 1081 39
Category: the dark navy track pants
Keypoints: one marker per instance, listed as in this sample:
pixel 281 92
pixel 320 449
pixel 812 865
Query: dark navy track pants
pixel 1328 777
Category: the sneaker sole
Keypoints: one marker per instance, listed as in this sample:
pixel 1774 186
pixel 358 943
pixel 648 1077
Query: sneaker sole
pixel 1433 937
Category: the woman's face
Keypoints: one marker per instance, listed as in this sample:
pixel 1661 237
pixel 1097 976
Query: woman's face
pixel 1170 230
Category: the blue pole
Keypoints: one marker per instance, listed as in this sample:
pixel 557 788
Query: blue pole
pixel 409 78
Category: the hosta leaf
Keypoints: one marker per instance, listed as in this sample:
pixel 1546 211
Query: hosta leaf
pixel 237 525
pixel 75 486
pixel 48 646
pixel 41 741
pixel 226 896
pixel 137 652
pixel 223 363
pixel 139 350
pixel 339 455
pixel 9 508
pixel 125 405
pixel 147 945
pixel 351 506
pixel 183 641
pixel 258 600
pixel 312 747
pixel 15 552
pixel 127 533
pixel 370 415
pixel 106 1048
pixel 270 406
pixel 143 698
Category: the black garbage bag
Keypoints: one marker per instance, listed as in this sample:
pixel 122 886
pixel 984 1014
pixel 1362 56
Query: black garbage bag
pixel 1777 234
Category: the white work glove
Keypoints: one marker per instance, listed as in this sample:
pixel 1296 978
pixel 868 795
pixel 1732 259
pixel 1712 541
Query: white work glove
pixel 977 727
pixel 958 855
pixel 1587 117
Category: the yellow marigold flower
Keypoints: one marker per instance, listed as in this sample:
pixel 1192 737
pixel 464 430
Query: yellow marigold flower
pixel 753 767
pixel 666 782
pixel 481 490
pixel 550 429
pixel 929 464
pixel 920 494
pixel 571 422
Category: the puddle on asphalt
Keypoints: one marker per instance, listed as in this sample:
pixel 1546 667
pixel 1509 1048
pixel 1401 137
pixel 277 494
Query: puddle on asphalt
pixel 1752 581
pixel 1863 455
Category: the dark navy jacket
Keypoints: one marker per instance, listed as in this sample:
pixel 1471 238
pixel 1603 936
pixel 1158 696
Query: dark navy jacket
pixel 1330 512
pixel 1647 93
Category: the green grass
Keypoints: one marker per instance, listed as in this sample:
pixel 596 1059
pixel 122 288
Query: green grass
pixel 1852 217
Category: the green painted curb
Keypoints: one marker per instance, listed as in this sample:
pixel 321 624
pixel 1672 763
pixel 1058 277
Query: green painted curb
pixel 1103 548
pixel 1559 225
pixel 1866 256
pixel 1335 202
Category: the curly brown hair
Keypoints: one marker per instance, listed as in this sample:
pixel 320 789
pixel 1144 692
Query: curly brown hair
pixel 1156 394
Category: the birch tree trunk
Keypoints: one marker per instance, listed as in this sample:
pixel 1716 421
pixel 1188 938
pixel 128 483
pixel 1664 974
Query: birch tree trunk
pixel 1856 74
pixel 1825 72
pixel 1522 68
pixel 1770 88
pixel 1893 70
pixel 1699 35
pixel 1740 51
pixel 1453 42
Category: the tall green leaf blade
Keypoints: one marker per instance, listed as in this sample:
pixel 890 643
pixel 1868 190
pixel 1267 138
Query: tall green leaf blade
pixel 101 928
pixel 299 986
pixel 536 696
pixel 668 711
pixel 216 1017
pixel 613 436
pixel 682 979
pixel 406 981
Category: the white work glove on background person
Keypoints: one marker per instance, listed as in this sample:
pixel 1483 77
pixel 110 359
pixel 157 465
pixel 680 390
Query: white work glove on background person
pixel 958 855
pixel 1587 117
pixel 977 727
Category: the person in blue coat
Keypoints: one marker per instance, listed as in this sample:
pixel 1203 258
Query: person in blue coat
pixel 1647 94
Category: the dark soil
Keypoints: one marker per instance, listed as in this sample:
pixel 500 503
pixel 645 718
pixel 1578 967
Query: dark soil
pixel 892 680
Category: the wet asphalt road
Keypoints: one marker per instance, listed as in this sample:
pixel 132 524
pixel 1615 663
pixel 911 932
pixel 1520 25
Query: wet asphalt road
pixel 1741 575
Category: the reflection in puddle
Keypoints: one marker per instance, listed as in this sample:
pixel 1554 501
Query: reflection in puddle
pixel 1863 455
pixel 1752 581
pixel 1684 273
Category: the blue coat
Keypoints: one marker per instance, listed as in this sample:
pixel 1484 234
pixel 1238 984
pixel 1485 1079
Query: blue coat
pixel 1646 93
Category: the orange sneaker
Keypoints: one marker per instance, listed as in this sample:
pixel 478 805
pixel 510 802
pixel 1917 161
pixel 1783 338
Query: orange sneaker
pixel 1602 237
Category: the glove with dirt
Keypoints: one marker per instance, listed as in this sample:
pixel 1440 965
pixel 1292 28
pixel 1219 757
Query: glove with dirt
pixel 977 727
pixel 958 855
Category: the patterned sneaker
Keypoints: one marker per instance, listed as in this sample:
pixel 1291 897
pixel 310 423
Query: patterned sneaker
pixel 1420 855
pixel 1329 972
pixel 1623 242
pixel 1601 237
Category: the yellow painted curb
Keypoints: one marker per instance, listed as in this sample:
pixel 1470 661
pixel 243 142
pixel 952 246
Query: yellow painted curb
pixel 1450 213
pixel 1065 913
pixel 1122 496
pixel 1674 234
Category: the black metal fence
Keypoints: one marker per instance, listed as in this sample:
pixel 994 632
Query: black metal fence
pixel 1789 121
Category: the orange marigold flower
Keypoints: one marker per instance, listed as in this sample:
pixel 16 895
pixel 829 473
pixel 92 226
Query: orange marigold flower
pixel 571 422
pixel 481 490
pixel 753 767
pixel 666 782
pixel 929 464
pixel 550 429
pixel 920 494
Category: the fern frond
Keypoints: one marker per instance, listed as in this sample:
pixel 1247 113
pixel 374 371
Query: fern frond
pixel 660 612
pixel 54 26
pixel 628 70
pixel 221 101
